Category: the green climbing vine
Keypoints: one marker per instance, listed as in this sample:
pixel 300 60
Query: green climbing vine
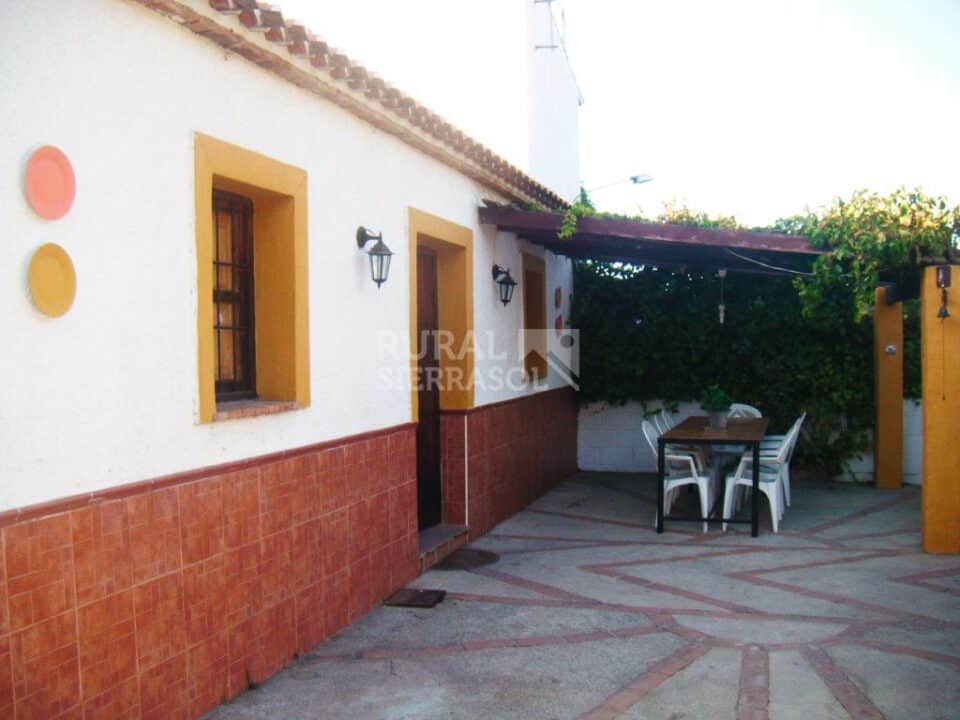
pixel 871 237
pixel 788 344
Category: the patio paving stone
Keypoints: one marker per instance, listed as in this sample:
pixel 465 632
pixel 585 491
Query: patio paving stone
pixel 590 614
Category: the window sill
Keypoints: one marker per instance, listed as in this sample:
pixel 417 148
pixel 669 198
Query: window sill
pixel 236 409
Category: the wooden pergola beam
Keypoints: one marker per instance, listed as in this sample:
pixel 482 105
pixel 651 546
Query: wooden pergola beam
pixel 659 244
pixel 531 224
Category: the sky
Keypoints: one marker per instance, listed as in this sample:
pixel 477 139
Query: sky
pixel 752 108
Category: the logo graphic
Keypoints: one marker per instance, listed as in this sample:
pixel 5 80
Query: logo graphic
pixel 555 349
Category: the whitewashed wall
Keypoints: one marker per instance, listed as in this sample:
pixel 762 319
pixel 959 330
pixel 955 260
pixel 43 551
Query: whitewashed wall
pixel 609 439
pixel 554 100
pixel 861 468
pixel 107 394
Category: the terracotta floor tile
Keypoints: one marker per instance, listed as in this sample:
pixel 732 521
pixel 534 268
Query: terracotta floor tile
pixel 241 507
pixel 154 528
pixel 242 577
pixel 46 667
pixel 6 678
pixel 241 648
pixel 121 702
pixel 207 672
pixel 277 578
pixel 101 550
pixel 276 643
pixel 379 521
pixel 336 541
pixel 359 602
pixel 311 620
pixel 358 529
pixel 163 688
pixel 306 501
pixel 308 553
pixel 161 620
pixel 201 519
pixel 39 569
pixel 277 489
pixel 107 643
pixel 336 598
pixel 205 596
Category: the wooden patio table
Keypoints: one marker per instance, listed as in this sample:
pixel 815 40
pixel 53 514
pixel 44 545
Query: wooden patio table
pixel 696 430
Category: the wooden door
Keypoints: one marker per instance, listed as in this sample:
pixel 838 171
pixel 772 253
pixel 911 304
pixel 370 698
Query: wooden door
pixel 428 395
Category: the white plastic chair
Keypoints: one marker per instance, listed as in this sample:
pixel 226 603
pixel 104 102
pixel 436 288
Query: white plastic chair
pixel 769 486
pixel 663 421
pixel 740 410
pixel 668 418
pixel 774 474
pixel 793 435
pixel 679 470
pixel 737 410
pixel 660 422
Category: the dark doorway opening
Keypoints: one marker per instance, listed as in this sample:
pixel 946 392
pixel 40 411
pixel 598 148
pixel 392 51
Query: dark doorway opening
pixel 428 393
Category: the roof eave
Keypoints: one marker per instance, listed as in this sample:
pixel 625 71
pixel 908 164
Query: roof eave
pixel 261 35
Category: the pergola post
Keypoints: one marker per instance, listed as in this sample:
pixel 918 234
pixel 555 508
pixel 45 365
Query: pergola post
pixel 941 416
pixel 888 392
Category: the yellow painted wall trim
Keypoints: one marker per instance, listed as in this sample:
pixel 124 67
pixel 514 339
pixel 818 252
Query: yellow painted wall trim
pixel 941 416
pixel 454 247
pixel 279 193
pixel 888 392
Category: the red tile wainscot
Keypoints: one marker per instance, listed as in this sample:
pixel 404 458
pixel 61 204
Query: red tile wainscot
pixel 511 453
pixel 164 598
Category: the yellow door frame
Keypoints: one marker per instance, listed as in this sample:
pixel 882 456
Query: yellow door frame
pixel 454 247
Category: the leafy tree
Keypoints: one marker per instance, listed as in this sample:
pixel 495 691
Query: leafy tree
pixel 870 234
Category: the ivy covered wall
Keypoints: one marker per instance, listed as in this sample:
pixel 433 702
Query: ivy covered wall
pixel 649 334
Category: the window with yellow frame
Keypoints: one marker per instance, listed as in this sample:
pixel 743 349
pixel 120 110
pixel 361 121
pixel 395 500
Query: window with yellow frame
pixel 534 317
pixel 252 323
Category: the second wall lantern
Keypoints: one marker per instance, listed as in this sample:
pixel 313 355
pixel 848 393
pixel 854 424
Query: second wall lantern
pixel 505 284
pixel 379 254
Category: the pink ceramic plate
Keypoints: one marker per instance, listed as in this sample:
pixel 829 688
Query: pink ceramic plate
pixel 51 184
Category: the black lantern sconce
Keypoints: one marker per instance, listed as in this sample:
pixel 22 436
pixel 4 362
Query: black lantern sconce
pixel 379 255
pixel 722 307
pixel 943 282
pixel 505 284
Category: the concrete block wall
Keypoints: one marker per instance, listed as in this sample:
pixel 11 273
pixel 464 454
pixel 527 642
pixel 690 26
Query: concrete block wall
pixel 609 439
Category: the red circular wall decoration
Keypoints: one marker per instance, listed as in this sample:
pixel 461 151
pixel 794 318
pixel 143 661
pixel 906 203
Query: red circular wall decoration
pixel 50 183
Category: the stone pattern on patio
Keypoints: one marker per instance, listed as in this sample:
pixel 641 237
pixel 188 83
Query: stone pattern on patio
pixel 590 614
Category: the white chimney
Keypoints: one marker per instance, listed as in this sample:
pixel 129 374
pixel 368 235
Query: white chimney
pixel 553 101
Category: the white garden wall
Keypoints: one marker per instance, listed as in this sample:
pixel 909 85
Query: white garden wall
pixel 610 440
pixel 107 394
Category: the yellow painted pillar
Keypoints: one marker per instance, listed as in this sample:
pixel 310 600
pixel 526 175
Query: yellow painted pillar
pixel 941 416
pixel 888 392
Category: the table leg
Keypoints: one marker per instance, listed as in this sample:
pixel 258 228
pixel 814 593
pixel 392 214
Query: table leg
pixel 754 505
pixel 660 483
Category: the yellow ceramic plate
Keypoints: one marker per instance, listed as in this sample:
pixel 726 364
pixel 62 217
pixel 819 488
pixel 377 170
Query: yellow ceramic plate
pixel 53 281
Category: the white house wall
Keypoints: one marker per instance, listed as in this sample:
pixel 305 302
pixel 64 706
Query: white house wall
pixel 108 393
pixel 554 101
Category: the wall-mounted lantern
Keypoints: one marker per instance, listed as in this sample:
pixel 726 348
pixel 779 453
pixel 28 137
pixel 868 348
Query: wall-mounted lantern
pixel 379 255
pixel 505 284
pixel 943 282
pixel 722 307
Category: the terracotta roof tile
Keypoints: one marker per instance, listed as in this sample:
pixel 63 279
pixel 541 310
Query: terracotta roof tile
pixel 301 57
